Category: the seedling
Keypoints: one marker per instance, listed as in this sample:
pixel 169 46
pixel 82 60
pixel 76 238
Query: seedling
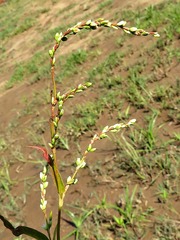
pixel 77 222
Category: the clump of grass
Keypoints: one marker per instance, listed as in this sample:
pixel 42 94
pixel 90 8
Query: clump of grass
pixel 104 4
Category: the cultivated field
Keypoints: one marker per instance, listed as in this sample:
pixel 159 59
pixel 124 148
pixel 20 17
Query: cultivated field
pixel 128 189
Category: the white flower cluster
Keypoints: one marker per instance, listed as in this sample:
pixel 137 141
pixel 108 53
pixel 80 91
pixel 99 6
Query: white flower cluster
pixel 43 186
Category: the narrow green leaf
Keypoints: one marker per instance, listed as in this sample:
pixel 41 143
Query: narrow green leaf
pixel 23 230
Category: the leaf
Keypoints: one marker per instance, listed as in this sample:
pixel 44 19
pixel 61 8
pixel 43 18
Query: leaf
pixel 23 230
pixel 45 153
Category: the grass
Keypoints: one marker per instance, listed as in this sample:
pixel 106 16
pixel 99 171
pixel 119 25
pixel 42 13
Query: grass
pixel 85 117
pixel 77 222
pixel 37 68
pixel 104 4
pixel 17 23
pixel 166 228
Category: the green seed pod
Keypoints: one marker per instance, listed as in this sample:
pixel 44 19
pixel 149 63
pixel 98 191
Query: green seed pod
pixel 58 96
pixel 121 23
pixel 70 180
pixel 55 124
pixel 93 25
pixel 61 112
pixel 144 33
pixel 58 37
pixel 75 181
pixel 53 61
pixel 103 135
pixel 82 165
pixel 133 29
pixel 88 22
pixel 78 91
pixel 100 19
pixel 78 161
pixel 157 35
pixel 89 148
pixel 92 150
pixel 70 96
pixel 56 136
pixel 86 27
pixel 88 84
pixel 79 86
pixel 53 141
pixel 60 103
pixel 104 22
pixel 51 53
pixel 50 145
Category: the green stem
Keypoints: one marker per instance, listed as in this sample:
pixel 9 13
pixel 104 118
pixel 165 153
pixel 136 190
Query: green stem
pixel 53 82
pixel 48 231
pixel 59 224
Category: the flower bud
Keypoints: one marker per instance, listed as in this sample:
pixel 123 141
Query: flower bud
pixel 58 37
pixel 88 22
pixel 53 60
pixel 156 35
pixel 103 135
pixel 61 112
pixel 132 121
pixel 43 205
pixel 51 53
pixel 133 29
pixel 121 23
pixel 45 184
pixel 50 145
pixel 105 129
pixel 78 161
pixel 88 84
pixel 43 177
pixel 75 181
pixel 70 180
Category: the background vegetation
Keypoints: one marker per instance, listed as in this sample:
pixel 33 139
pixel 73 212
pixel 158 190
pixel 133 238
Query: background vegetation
pixel 129 189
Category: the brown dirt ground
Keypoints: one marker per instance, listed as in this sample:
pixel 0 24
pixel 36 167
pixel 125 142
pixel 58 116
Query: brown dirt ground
pixel 22 47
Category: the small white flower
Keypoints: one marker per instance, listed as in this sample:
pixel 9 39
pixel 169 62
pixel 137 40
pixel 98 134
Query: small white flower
pixel 132 121
pixel 43 205
pixel 156 34
pixel 45 184
pixel 121 23
pixel 78 161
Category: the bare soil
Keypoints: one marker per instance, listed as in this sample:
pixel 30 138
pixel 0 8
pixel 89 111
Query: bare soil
pixel 101 177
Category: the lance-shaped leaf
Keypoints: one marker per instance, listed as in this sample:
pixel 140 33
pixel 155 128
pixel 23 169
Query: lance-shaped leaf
pixel 46 156
pixel 23 230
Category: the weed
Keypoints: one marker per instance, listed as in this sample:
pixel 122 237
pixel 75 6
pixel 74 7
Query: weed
pixel 149 134
pixel 16 77
pixel 63 143
pixel 104 4
pixel 3 144
pixel 167 228
pixel 122 115
pixel 105 68
pixel 136 96
pixel 76 58
pixel 5 180
pixel 130 215
pixel 25 25
pixel 89 115
pixel 77 222
pixel 85 117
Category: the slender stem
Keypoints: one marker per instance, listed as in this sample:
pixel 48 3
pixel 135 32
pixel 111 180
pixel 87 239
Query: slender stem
pixel 48 231
pixel 59 224
pixel 53 82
